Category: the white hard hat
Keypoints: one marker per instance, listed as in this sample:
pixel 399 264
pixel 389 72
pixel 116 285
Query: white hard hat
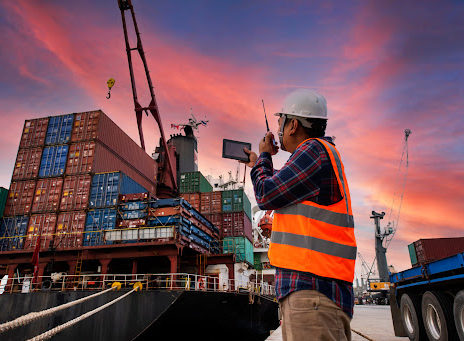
pixel 305 103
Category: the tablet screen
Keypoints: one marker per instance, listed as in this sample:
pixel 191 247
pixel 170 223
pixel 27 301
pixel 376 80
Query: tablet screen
pixel 234 150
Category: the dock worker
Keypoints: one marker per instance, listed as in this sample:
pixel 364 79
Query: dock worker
pixel 313 246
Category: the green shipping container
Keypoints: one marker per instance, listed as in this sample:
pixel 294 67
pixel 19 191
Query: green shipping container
pixel 3 196
pixel 258 265
pixel 412 254
pixel 236 201
pixel 242 248
pixel 194 182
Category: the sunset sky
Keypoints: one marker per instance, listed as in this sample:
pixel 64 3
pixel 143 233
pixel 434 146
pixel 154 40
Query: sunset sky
pixel 383 66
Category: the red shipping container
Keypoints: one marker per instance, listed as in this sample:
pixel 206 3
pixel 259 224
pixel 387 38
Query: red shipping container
pixel 47 195
pixel 216 202
pixel 237 224
pixel 132 223
pixel 43 224
pixel 80 157
pixel 167 211
pixel 34 133
pixel 133 197
pixel 216 220
pixel 210 202
pixel 27 164
pixel 93 156
pixel 20 198
pixel 193 199
pixel 76 190
pixel 429 250
pixel 205 202
pixel 95 125
pixel 69 229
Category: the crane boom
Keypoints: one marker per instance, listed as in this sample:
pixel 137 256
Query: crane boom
pixel 126 5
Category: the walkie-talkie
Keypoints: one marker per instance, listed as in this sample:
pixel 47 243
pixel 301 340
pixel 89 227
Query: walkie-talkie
pixel 274 143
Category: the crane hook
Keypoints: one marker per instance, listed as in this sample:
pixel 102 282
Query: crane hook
pixel 110 84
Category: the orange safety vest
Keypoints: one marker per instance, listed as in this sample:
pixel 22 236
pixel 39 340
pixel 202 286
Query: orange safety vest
pixel 315 238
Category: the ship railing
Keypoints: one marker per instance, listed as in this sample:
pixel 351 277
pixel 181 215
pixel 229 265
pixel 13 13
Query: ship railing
pixel 150 281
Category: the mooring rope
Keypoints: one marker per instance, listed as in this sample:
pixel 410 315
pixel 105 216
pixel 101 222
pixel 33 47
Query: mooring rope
pixel 48 334
pixel 25 319
pixel 362 335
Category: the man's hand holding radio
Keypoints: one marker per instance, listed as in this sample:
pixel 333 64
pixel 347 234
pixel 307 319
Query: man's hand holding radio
pixel 267 144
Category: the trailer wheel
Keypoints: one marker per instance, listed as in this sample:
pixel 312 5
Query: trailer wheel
pixel 438 316
pixel 410 316
pixel 458 310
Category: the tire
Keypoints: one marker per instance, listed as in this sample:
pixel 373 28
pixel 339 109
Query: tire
pixel 438 318
pixel 458 312
pixel 412 319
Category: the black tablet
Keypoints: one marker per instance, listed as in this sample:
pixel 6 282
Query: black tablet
pixel 234 150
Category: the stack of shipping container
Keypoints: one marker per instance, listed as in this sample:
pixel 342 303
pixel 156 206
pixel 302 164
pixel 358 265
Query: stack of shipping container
pixel 80 181
pixel 229 210
pixel 58 183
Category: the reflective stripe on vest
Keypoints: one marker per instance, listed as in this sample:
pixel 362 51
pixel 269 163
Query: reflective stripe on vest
pixel 314 238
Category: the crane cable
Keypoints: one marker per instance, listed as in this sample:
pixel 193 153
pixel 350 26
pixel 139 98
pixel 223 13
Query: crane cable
pixel 25 319
pixel 48 334
pixel 405 154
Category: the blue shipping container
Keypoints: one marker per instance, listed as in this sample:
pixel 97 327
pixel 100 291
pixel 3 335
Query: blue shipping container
pixel 59 129
pixel 169 202
pixel 101 219
pixel 169 220
pixel 106 188
pixel 134 205
pixel 53 161
pixel 12 232
pixel 97 221
pixel 135 214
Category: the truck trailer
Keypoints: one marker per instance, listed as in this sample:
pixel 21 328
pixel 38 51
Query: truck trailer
pixel 427 301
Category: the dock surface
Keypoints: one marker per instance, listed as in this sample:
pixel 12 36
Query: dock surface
pixel 373 321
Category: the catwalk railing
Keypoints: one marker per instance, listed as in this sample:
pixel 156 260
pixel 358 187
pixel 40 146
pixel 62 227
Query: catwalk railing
pixel 164 281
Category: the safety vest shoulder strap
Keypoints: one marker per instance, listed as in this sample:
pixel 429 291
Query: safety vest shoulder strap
pixel 338 168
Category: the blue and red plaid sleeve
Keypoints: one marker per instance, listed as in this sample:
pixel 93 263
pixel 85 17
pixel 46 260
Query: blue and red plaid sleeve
pixel 299 179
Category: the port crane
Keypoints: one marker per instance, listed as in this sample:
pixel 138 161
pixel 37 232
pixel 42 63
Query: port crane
pixel 383 237
pixel 167 179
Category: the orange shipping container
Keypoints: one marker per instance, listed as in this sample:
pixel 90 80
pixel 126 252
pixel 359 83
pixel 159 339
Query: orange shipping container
pixel 20 198
pixel 75 194
pixel 69 230
pixel 27 164
pixel 47 195
pixel 43 225
pixel 34 133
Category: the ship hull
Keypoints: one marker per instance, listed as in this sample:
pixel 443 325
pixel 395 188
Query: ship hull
pixel 146 315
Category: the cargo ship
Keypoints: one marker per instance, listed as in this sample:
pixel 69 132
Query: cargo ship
pixel 83 199
pixel 144 240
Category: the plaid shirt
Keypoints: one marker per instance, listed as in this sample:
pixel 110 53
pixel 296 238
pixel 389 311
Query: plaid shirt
pixel 307 175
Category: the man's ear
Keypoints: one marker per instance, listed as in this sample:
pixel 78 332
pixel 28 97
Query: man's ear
pixel 294 126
